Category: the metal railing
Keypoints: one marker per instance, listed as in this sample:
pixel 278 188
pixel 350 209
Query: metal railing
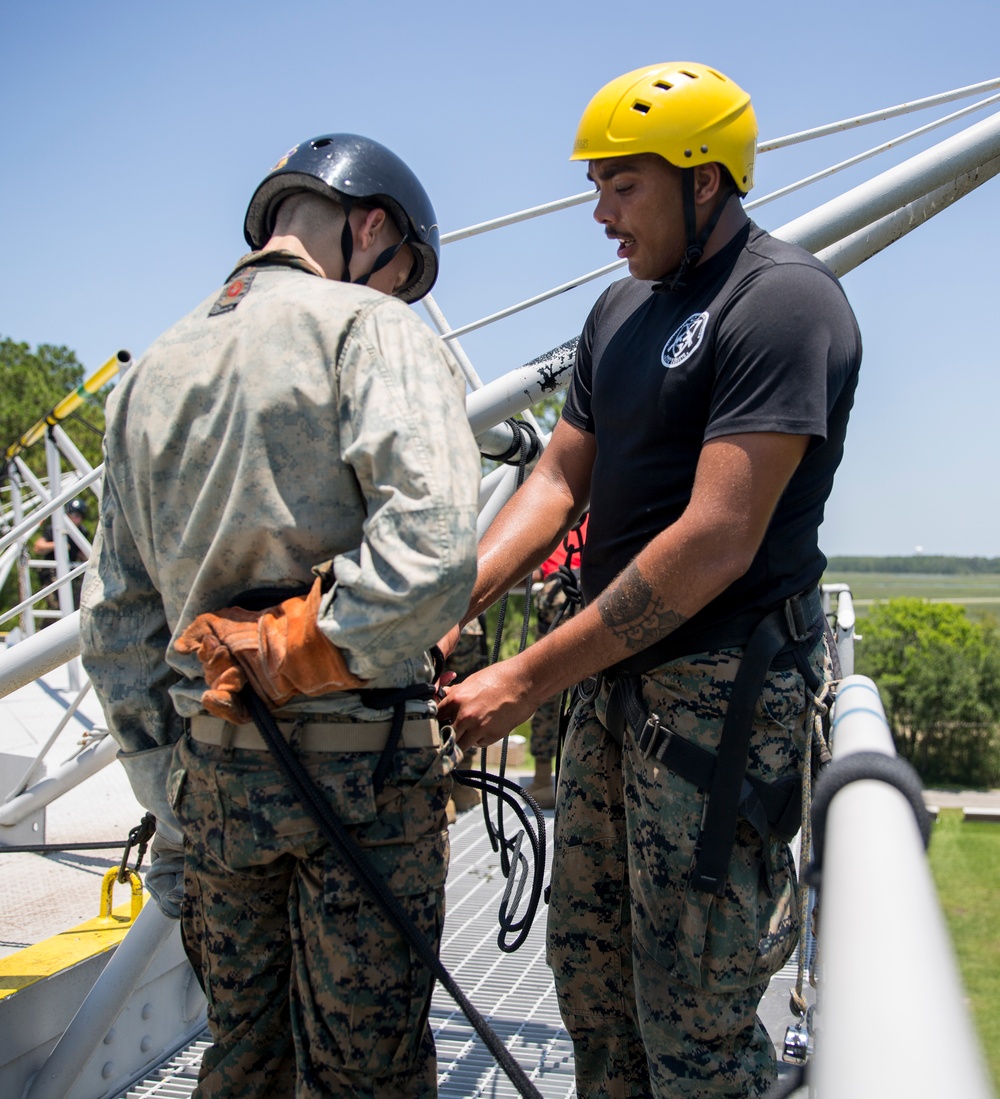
pixel 31 500
pixel 892 1016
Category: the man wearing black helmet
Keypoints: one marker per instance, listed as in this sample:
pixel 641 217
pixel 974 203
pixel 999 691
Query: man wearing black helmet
pixel 290 502
pixel 704 424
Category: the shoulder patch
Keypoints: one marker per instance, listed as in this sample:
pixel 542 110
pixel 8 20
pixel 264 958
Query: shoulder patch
pixel 685 341
pixel 233 293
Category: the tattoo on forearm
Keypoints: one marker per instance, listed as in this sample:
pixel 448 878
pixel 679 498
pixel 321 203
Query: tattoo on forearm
pixel 633 612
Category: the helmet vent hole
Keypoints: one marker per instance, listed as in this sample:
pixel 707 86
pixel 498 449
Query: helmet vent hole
pixel 663 85
pixel 642 108
pixel 322 143
pixel 690 76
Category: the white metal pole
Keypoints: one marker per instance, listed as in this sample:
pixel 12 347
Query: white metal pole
pixel 892 1014
pixel 65 777
pixel 854 249
pixel 39 654
pixel 947 161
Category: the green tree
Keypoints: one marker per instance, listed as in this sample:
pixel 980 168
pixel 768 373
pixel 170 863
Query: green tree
pixel 939 676
pixel 33 383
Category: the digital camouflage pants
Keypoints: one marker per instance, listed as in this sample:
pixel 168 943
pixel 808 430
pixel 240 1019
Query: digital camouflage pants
pixel 658 983
pixel 311 991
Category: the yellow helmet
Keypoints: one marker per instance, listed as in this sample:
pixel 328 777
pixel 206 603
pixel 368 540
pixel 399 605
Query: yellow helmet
pixel 687 113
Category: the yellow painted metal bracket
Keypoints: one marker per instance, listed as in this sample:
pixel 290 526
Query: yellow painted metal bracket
pixel 104 932
pixel 70 403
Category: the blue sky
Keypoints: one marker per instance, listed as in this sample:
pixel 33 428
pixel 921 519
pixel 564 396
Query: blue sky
pixel 134 134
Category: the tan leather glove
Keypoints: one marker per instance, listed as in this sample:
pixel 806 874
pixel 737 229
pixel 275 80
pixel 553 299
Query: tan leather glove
pixel 280 651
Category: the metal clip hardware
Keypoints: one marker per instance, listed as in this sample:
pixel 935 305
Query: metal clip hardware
pixel 139 837
pixel 798 1044
pixel 795 619
pixel 647 738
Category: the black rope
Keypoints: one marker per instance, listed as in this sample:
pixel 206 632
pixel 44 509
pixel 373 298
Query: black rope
pixel 47 848
pixel 524 446
pixel 86 423
pixel 862 765
pixel 333 830
pixel 512 794
pixel 139 837
pixel 511 850
pixel 394 699
pixel 569 578
pixel 797 1078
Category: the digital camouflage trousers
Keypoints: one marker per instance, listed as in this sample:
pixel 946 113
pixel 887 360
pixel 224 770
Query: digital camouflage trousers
pixel 311 991
pixel 658 983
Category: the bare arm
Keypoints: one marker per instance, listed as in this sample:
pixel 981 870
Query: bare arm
pixel 737 485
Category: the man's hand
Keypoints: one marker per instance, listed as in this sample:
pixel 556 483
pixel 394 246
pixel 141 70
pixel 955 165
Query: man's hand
pixel 281 651
pixel 487 705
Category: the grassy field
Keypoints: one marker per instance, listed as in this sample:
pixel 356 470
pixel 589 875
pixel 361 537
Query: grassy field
pixel 980 595
pixel 965 861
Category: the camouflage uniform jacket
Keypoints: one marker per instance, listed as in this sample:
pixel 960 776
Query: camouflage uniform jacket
pixel 312 420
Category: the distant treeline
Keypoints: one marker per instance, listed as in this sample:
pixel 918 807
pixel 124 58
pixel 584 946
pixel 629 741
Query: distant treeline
pixel 939 566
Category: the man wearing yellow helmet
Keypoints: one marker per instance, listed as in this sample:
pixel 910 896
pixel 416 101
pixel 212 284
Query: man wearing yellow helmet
pixel 704 424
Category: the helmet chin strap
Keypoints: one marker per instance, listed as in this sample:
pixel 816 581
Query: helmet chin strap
pixel 347 248
pixel 695 242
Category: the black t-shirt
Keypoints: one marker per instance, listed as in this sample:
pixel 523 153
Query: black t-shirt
pixel 761 339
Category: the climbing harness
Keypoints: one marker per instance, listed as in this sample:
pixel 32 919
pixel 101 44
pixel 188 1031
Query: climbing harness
pixel 732 794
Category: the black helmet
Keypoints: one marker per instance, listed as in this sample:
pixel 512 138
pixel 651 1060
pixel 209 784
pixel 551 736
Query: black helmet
pixel 76 507
pixel 350 169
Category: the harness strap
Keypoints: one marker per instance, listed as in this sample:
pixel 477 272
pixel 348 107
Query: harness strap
pixel 731 793
pixel 718 831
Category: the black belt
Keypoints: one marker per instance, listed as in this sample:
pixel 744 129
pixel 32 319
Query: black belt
pixel 731 793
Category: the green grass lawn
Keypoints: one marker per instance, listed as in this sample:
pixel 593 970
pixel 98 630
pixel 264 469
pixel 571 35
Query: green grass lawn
pixel 965 861
pixel 979 594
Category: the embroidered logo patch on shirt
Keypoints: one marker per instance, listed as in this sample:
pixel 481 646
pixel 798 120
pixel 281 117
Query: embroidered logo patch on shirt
pixel 685 341
pixel 233 293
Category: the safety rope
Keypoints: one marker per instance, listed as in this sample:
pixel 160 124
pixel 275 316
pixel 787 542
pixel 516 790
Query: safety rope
pixel 137 837
pixel 524 446
pixel 815 744
pixel 516 868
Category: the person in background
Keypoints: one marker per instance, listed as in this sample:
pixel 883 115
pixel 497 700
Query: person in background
pixel 44 548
